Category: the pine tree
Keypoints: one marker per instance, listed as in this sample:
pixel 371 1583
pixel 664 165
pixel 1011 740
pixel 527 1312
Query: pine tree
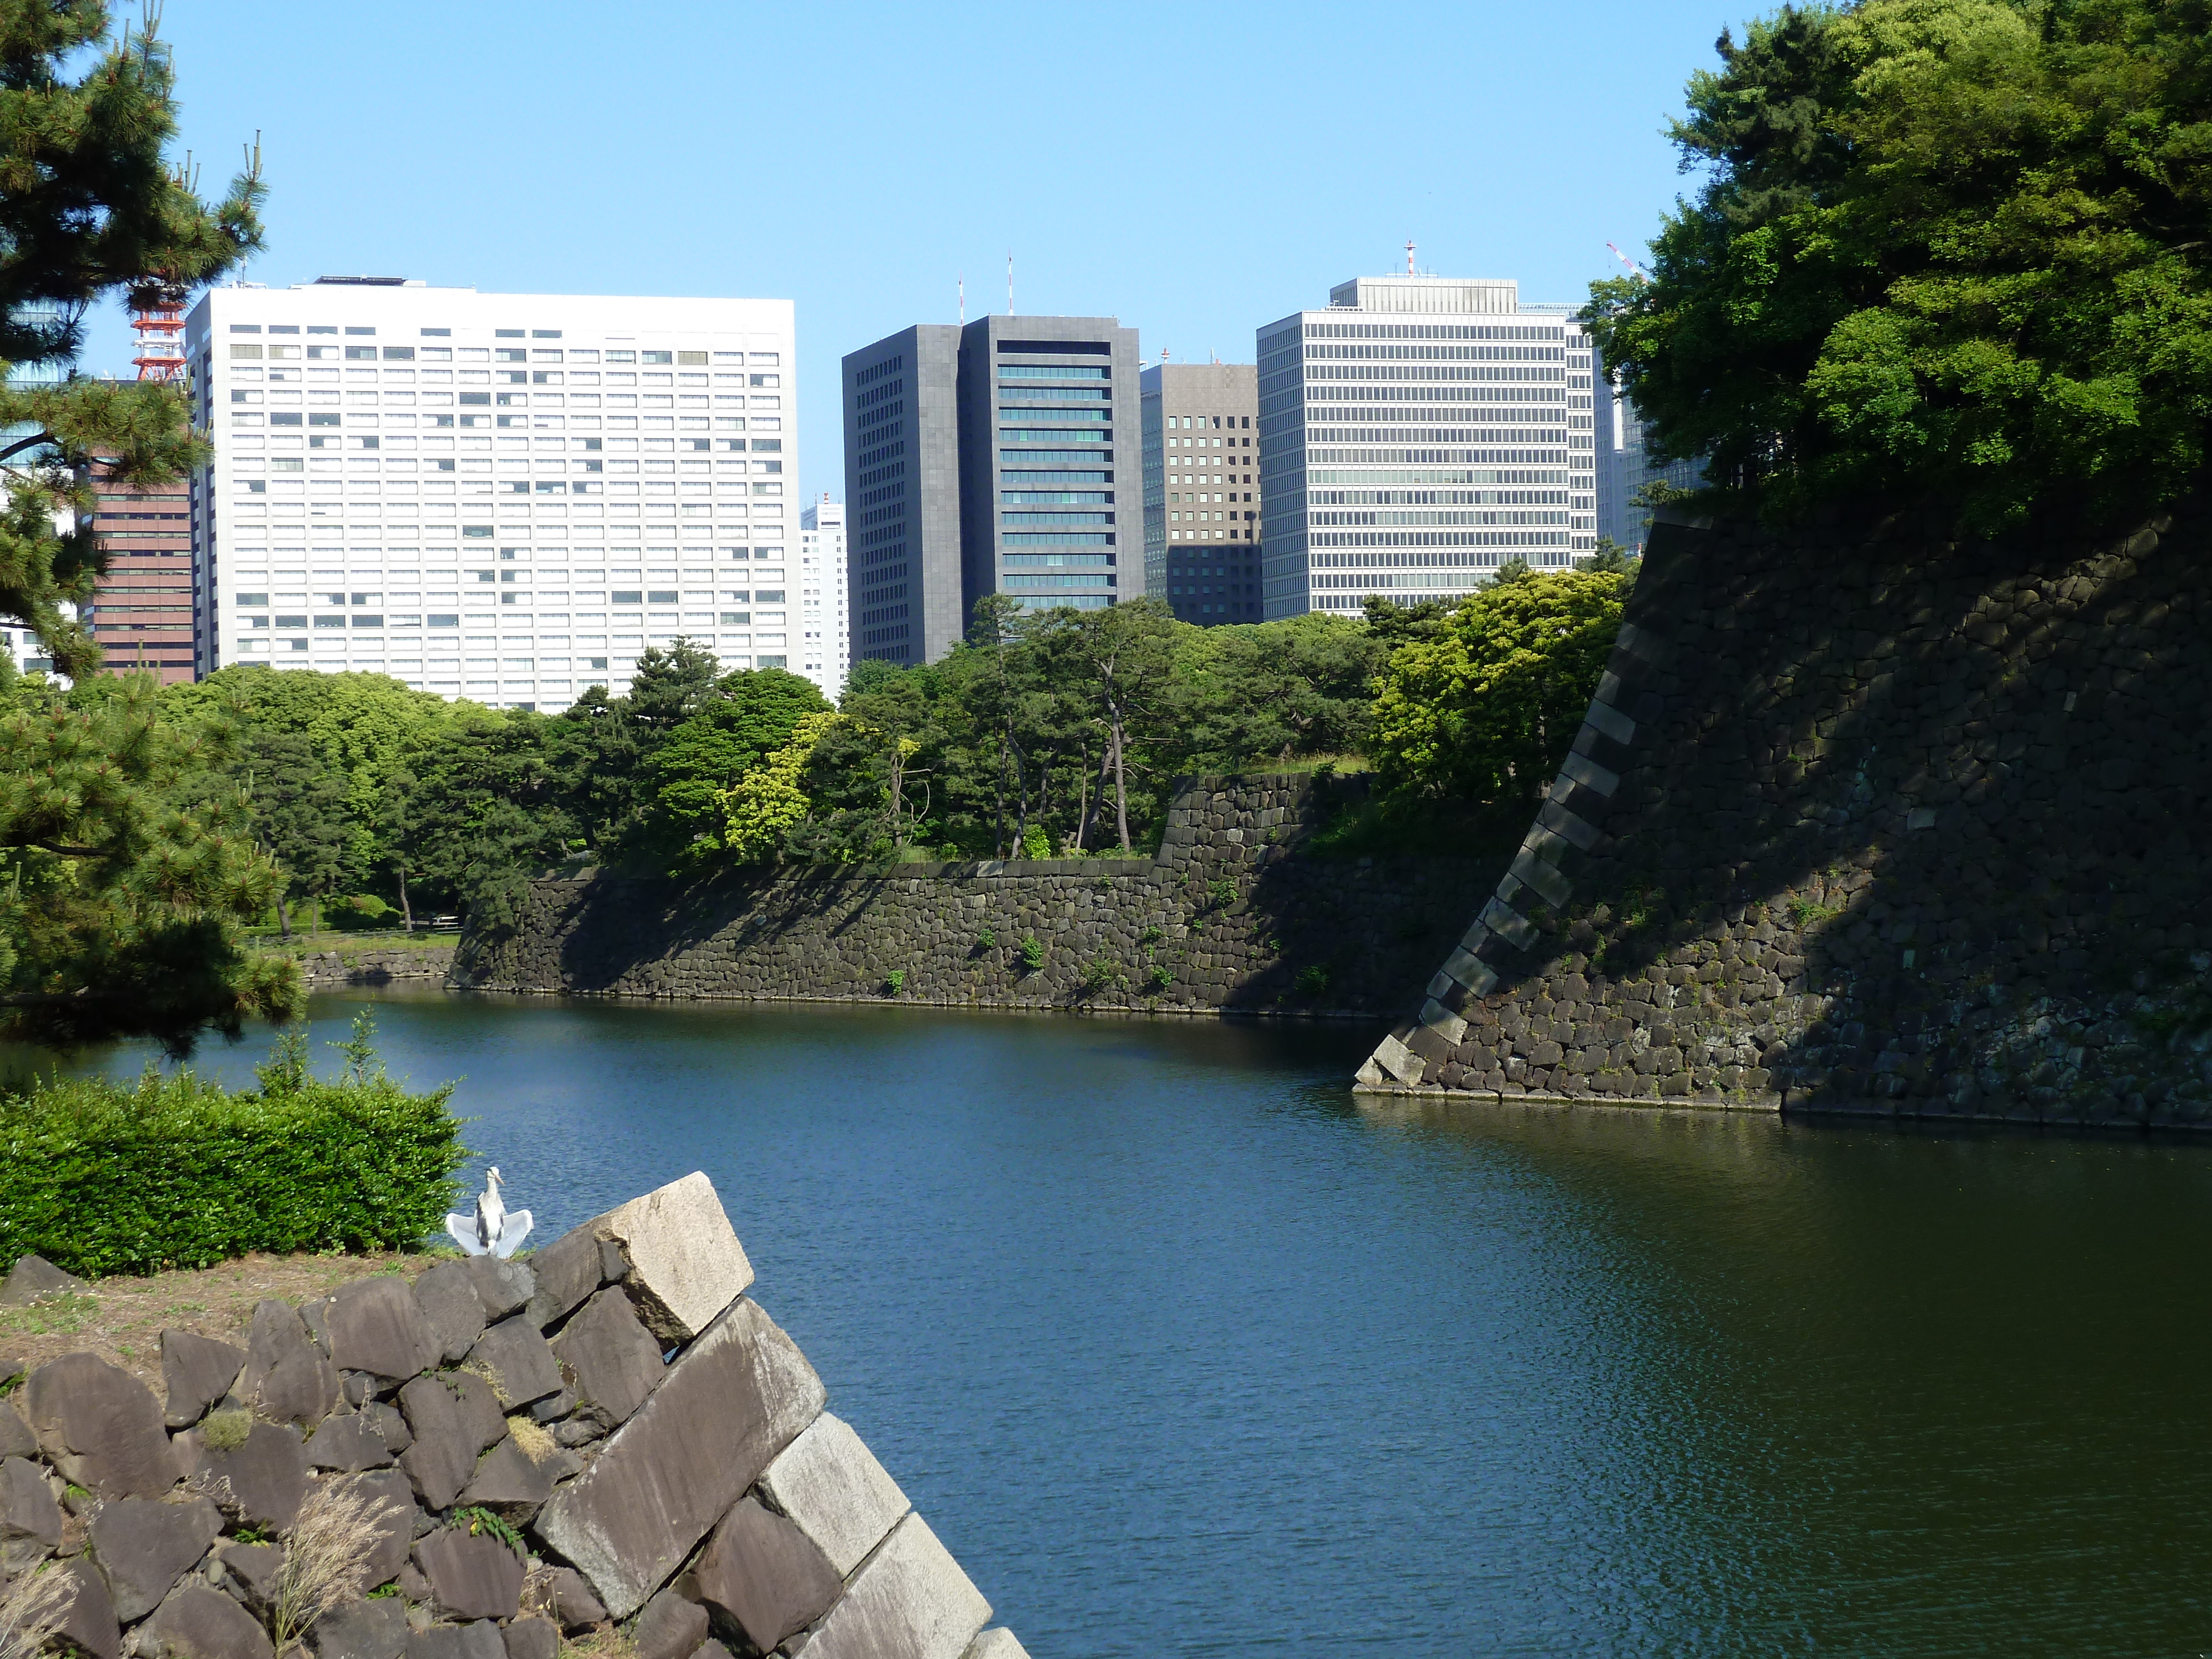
pixel 119 905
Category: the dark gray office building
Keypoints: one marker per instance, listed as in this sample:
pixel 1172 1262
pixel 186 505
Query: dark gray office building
pixel 988 459
pixel 1202 543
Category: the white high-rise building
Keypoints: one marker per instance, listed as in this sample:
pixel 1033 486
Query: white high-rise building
pixel 1414 437
pixel 825 632
pixel 499 496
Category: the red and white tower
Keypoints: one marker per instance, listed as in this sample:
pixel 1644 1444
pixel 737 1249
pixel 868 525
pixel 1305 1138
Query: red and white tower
pixel 157 315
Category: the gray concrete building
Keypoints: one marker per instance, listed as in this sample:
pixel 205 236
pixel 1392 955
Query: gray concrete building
pixel 988 459
pixel 1415 435
pixel 1201 490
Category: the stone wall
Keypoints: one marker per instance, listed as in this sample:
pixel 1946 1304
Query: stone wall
pixel 1895 823
pixel 612 1431
pixel 1230 916
pixel 327 970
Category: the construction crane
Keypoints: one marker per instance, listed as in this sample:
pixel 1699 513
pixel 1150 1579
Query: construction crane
pixel 1634 270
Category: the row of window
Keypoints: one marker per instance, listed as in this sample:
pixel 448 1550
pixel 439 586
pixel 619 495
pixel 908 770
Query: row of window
pixel 259 600
pixel 379 622
pixel 360 330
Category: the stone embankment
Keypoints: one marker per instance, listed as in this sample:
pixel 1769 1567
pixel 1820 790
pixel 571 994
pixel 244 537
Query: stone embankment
pixel 610 1430
pixel 1895 824
pixel 1231 916
pixel 347 965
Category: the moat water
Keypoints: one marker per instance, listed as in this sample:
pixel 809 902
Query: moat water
pixel 1183 1350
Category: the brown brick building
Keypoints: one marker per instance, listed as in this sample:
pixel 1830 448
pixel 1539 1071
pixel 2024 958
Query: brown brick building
pixel 146 613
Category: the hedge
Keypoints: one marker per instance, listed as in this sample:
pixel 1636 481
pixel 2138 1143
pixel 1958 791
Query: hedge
pixel 104 1177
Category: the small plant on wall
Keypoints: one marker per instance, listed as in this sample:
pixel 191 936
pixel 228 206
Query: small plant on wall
pixel 1032 953
pixel 896 980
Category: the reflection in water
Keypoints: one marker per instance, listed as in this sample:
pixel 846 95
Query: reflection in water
pixel 1184 1351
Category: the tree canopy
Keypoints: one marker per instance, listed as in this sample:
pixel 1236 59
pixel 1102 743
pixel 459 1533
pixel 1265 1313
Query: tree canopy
pixel 126 882
pixel 1485 709
pixel 1949 248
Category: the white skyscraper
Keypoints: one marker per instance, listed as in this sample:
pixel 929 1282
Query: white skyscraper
pixel 824 651
pixel 500 496
pixel 1414 437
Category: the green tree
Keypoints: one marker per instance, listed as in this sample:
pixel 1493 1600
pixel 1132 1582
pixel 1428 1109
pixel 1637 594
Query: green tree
pixel 1393 624
pixel 1121 654
pixel 299 813
pixel 1270 693
pixel 749 714
pixel 489 812
pixel 764 806
pixel 1948 248
pixel 91 205
pixel 1485 711
pixel 120 908
pixel 128 884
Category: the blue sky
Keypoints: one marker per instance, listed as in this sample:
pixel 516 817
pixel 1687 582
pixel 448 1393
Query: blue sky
pixel 1195 170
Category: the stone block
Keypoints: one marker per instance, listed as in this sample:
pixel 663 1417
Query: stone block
pixel 760 1573
pixel 349 1443
pixel 259 1571
pixel 196 1371
pixel 375 1325
pixel 28 1507
pixel 481 1640
pixel 390 1426
pixel 834 1491
pixel 561 1594
pixel 287 1376
pixel 99 1426
pixel 517 1362
pixel 374 1628
pixel 143 1547
pixel 196 1622
pixel 16 1439
pixel 733 1400
pixel 610 1358
pixel 909 1599
pixel 534 1638
pixel 503 1286
pixel 1000 1644
pixel 669 1628
pixel 510 1481
pixel 453 1417
pixel 683 1263
pixel 34 1278
pixel 472 1576
pixel 448 1297
pixel 568 1270
pixel 262 1480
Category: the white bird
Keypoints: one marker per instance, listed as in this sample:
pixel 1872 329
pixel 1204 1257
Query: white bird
pixel 494 1230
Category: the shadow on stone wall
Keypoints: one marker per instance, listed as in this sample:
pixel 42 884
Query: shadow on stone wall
pixel 1232 915
pixel 1890 823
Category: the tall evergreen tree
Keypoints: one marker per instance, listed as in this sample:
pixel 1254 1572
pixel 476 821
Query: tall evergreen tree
pixel 123 907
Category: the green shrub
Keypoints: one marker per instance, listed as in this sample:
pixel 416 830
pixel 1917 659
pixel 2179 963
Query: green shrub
pixel 987 940
pixel 1312 980
pixel 896 980
pixel 1100 973
pixel 1032 953
pixel 106 1177
pixel 1160 977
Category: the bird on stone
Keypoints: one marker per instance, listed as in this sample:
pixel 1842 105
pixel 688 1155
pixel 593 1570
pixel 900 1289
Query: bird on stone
pixel 494 1230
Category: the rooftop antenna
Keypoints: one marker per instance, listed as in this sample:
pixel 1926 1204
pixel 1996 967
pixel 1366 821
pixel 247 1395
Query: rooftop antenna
pixel 1010 285
pixel 1409 256
pixel 964 300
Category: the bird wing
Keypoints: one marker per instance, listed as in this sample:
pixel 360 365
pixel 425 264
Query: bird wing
pixel 512 1232
pixel 462 1229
